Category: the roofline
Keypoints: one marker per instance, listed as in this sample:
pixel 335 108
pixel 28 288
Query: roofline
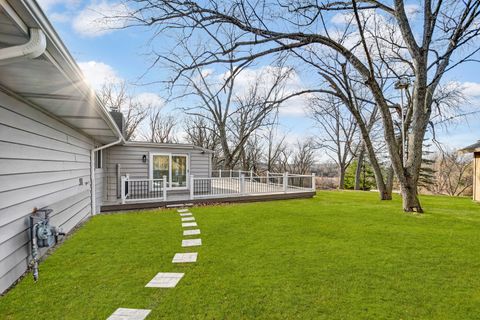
pixel 471 148
pixel 68 66
pixel 166 145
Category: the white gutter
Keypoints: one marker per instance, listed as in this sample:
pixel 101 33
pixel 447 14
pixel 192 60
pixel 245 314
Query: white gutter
pixel 92 171
pixel 33 48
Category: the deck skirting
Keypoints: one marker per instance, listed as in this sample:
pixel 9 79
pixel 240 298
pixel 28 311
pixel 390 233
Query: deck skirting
pixel 248 198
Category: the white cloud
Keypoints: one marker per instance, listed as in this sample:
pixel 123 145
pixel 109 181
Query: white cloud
pixel 59 17
pixel 98 73
pixel 471 89
pixel 146 99
pixel 341 18
pixel 100 18
pixel 46 5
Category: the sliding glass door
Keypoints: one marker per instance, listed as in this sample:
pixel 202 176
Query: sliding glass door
pixel 173 166
pixel 179 171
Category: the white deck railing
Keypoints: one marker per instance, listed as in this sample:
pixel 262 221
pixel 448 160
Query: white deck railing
pixel 143 189
pixel 216 187
pixel 250 185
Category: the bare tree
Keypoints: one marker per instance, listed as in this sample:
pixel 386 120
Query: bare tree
pixel 453 174
pixel 253 153
pixel 338 132
pixel 234 112
pixel 200 132
pixel 345 85
pixel 116 98
pixel 427 49
pixel 161 128
pixel 303 157
pixel 275 147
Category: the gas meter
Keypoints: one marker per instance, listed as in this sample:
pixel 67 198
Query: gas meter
pixel 43 234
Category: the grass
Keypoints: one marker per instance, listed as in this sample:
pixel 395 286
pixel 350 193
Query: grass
pixel 341 255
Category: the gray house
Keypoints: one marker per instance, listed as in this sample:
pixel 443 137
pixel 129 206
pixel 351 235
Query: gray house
pixel 59 147
pixel 61 150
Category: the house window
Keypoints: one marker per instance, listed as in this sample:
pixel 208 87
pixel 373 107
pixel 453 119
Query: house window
pixel 98 159
pixel 173 166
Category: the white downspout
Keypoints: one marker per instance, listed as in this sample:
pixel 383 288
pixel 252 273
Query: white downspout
pixel 35 47
pixel 92 170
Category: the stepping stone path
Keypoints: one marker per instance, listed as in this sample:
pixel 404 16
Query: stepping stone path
pixel 189 224
pixel 191 242
pixel 165 280
pixel 129 314
pixel 189 214
pixel 185 257
pixel 191 232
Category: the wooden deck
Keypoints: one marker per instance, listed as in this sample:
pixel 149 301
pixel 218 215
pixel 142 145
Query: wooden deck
pixel 209 200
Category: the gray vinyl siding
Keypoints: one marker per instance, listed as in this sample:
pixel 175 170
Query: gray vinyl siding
pixel 99 185
pixel 41 163
pixel 130 160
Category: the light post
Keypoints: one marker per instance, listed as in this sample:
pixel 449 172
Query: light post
pixel 402 84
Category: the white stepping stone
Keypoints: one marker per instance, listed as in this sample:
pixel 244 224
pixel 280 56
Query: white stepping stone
pixel 191 242
pixel 129 314
pixel 185 214
pixel 182 210
pixel 189 224
pixel 191 232
pixel 185 257
pixel 165 280
pixel 188 219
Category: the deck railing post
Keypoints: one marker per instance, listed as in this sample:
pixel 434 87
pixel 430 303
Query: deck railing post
pixel 220 173
pixel 239 173
pixel 314 187
pixel 285 181
pixel 268 177
pixel 231 172
pixel 251 175
pixel 242 183
pixel 123 179
pixel 192 187
pixel 164 182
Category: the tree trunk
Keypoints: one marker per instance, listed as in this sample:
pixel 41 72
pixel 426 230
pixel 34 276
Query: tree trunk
pixel 390 175
pixel 365 129
pixel 358 171
pixel 383 191
pixel 341 179
pixel 410 199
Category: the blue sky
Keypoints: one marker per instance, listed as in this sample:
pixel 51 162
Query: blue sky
pixel 122 54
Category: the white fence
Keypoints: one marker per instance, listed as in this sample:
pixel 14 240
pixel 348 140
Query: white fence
pixel 217 187
pixel 250 185
pixel 143 189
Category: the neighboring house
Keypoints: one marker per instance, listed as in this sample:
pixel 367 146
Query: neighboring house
pixel 61 149
pixel 475 149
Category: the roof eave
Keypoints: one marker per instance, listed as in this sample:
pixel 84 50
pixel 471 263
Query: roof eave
pixel 33 14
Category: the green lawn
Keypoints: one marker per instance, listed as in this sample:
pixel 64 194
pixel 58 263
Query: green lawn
pixel 341 255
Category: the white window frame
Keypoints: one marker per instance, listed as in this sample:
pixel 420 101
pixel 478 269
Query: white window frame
pixel 170 155
pixel 98 156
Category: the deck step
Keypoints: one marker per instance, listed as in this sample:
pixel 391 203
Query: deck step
pixel 179 205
